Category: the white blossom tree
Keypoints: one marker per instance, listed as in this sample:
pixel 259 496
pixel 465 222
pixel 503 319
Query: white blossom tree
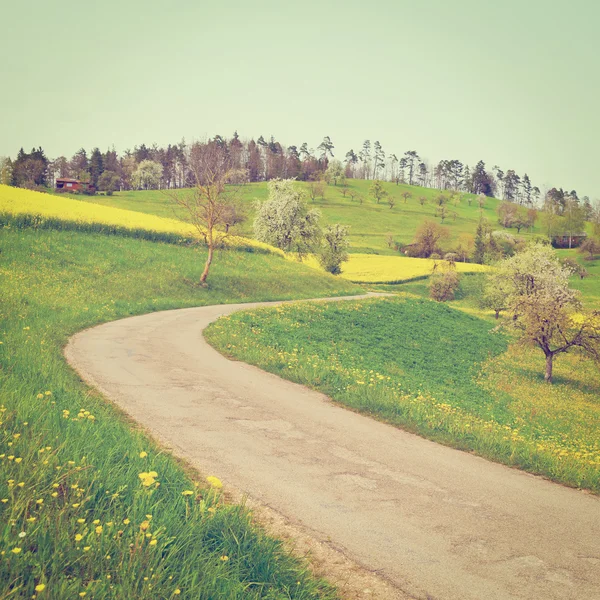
pixel 147 175
pixel 543 310
pixel 284 220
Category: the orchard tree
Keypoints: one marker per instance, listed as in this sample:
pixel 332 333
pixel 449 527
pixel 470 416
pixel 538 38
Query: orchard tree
pixel 284 220
pixel 428 236
pixel 335 171
pixel 406 195
pixel 334 248
pixel 543 310
pixel 212 208
pixel 147 176
pixel 377 191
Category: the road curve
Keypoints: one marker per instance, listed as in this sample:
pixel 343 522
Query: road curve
pixel 435 522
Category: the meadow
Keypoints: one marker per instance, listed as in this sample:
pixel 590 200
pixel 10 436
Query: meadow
pixel 434 370
pixel 370 223
pixel 89 504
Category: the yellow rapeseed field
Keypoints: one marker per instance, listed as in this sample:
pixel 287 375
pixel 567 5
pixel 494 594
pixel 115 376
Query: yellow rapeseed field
pixel 17 202
pixel 373 268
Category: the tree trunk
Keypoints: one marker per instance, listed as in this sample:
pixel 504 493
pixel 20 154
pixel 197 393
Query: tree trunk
pixel 207 264
pixel 548 375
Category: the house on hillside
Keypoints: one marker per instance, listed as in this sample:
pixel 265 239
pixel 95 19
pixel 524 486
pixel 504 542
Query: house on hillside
pixel 568 240
pixel 65 184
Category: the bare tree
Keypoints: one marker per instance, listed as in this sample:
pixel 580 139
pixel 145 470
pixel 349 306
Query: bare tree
pixel 210 206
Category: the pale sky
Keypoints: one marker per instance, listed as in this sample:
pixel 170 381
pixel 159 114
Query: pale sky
pixel 513 82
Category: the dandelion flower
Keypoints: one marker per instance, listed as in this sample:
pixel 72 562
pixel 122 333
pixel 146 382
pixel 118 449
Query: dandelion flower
pixel 81 521
pixel 187 493
pixel 143 454
pixel 40 587
pixel 78 537
pixel 225 558
pixel 22 534
pixel 86 548
pixel 16 550
pixel 126 521
pixel 177 592
pixel 214 482
pixel 153 542
pixel 99 529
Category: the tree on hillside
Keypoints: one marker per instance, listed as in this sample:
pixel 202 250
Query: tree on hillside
pixel 109 182
pixel 412 161
pixel 377 191
pixel 147 175
pixel 391 200
pixel 6 166
pixel 590 247
pixel 442 212
pixel 334 248
pixel 406 196
pixel 284 220
pixel 316 188
pixel 212 208
pixel 465 246
pixel 335 171
pixel 378 158
pixel 543 310
pixel 422 200
pixel 507 212
pixel 427 238
pixel 96 166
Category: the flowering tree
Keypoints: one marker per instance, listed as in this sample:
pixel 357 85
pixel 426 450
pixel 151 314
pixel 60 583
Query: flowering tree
pixel 285 221
pixel 544 311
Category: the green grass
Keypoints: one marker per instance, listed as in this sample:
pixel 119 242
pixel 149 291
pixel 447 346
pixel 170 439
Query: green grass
pixel 57 467
pixel 434 370
pixel 590 285
pixel 369 222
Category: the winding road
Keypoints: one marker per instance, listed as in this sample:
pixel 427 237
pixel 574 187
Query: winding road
pixel 432 522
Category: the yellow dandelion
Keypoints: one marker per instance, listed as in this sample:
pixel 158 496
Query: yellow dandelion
pixel 40 587
pixel 126 521
pixel 177 592
pixel 99 529
pixel 86 548
pixel 78 537
pixel 187 493
pixel 143 454
pixel 224 558
pixel 16 550
pixel 144 525
pixel 153 542
pixel 214 482
pixel 81 521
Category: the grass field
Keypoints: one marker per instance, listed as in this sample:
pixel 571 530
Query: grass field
pixel 80 509
pixel 369 222
pixel 436 371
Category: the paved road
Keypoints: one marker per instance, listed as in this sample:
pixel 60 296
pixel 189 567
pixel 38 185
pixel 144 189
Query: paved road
pixel 436 522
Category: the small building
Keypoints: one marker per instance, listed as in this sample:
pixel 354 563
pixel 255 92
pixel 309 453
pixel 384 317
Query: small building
pixel 66 184
pixel 568 240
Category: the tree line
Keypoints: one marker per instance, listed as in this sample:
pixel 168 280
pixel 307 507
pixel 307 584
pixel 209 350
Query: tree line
pixel 169 167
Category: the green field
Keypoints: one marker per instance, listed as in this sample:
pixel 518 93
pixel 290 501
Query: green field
pixel 369 222
pixel 76 517
pixel 434 370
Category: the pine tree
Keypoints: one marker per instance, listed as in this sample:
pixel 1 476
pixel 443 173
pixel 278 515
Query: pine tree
pixel 479 253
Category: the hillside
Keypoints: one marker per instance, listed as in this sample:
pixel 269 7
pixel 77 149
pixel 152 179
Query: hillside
pixel 370 223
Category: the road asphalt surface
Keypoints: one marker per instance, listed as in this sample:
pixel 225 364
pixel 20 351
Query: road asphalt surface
pixel 434 522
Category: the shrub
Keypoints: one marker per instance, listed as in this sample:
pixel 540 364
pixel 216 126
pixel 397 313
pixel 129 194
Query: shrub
pixel 443 285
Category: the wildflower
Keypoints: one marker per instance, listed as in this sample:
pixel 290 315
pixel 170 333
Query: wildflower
pixel 187 493
pixel 76 505
pixel 148 478
pixel 40 396
pixel 54 494
pixel 177 592
pixel 20 484
pixel 144 525
pixel 40 587
pixel 22 534
pixel 153 542
pixel 78 537
pixel 81 521
pixel 31 519
pixel 86 548
pixel 40 501
pixel 16 550
pixel 82 594
pixel 224 558
pixel 143 454
pixel 96 521
pixel 18 460
pixel 4 500
pixel 126 521
pixel 48 393
pixel 99 529
pixel 214 482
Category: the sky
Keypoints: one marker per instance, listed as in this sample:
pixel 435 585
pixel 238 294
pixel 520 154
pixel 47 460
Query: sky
pixel 515 83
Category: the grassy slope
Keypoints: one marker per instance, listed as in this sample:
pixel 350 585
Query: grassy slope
pixel 407 362
pixel 369 222
pixel 54 284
